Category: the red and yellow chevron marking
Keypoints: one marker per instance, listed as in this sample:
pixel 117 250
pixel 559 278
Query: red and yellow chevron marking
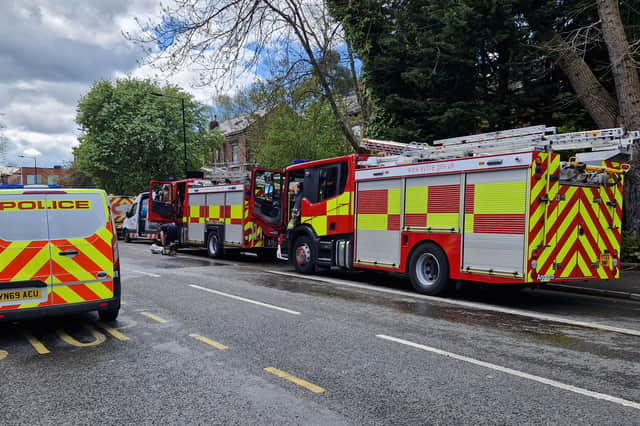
pixel 333 216
pixel 73 279
pixel 576 233
pixel 253 235
pixel 119 207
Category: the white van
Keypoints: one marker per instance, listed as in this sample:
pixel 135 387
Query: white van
pixel 136 225
pixel 58 253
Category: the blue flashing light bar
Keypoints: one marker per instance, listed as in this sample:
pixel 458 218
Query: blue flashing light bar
pixel 12 186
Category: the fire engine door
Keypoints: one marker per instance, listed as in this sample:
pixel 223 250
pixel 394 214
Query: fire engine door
pixel 266 197
pixel 164 204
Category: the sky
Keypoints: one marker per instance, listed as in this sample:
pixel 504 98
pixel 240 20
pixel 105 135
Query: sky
pixel 51 52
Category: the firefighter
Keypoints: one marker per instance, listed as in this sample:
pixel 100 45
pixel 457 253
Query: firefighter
pixel 169 238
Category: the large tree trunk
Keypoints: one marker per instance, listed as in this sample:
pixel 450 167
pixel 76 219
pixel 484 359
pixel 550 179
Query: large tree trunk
pixel 595 98
pixel 625 73
pixel 627 82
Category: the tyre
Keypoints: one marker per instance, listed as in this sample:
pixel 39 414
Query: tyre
pixel 108 315
pixel 126 236
pixel 429 270
pixel 214 246
pixel 304 255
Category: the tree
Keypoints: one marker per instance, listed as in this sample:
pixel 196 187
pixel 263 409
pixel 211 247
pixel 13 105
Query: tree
pixel 130 136
pixel 231 36
pixel 75 177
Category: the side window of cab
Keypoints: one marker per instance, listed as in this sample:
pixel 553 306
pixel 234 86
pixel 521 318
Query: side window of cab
pixel 325 182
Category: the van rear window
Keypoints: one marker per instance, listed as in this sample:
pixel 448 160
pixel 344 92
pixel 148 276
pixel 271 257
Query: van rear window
pixel 22 218
pixel 37 217
pixel 84 220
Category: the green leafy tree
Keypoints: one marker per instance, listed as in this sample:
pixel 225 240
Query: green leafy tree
pixel 301 127
pixel 130 136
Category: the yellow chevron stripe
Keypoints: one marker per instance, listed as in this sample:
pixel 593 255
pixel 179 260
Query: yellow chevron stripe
pixel 67 294
pixel 101 290
pixel 12 251
pixel 35 264
pixel 71 267
pixel 583 264
pixel 94 254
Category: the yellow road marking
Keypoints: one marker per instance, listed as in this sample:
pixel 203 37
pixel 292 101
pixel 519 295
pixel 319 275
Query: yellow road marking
pixel 154 317
pixel 3 354
pixel 37 344
pixel 99 338
pixel 209 342
pixel 126 324
pixel 293 379
pixel 112 331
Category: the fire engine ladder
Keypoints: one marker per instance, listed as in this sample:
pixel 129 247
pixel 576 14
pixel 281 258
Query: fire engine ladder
pixel 534 138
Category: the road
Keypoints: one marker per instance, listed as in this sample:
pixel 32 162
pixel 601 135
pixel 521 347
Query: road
pixel 237 341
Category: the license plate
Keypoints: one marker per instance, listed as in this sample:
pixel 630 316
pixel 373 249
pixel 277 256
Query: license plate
pixel 605 259
pixel 21 295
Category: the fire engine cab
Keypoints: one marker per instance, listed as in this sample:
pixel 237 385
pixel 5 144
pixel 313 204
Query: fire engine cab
pixel 497 208
pixel 244 216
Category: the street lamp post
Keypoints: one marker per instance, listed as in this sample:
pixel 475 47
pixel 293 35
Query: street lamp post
pixel 35 165
pixel 184 126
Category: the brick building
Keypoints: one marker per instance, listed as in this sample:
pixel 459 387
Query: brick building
pixel 27 175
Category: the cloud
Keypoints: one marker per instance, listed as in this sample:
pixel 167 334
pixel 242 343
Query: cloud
pixel 30 152
pixel 52 51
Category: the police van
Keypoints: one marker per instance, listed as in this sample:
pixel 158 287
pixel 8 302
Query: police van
pixel 58 253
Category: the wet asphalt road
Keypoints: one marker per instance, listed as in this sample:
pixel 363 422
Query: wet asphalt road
pixel 237 342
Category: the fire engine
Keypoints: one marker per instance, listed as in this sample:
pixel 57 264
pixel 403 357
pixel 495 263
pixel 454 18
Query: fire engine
pixel 497 207
pixel 244 216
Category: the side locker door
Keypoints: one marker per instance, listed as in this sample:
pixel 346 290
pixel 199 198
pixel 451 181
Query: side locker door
pixel 233 217
pixel 196 217
pixel 588 248
pixel 81 247
pixel 494 222
pixel 379 207
pixel 25 266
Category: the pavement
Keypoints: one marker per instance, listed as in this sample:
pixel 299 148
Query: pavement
pixel 626 287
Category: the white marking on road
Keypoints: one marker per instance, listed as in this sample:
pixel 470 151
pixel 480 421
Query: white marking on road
pixel 517 373
pixel 231 296
pixel 149 274
pixel 473 305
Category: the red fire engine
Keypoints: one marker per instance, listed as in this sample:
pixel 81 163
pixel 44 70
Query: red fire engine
pixel 243 217
pixel 496 208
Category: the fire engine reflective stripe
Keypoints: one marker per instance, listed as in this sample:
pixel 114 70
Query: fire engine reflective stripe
pixel 373 222
pixel 340 205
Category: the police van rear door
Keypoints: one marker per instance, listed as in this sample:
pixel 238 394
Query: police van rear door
pixel 81 246
pixel 25 267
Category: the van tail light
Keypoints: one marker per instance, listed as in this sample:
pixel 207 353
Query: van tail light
pixel 103 305
pixel 114 247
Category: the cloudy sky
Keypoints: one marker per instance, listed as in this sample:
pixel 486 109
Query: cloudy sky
pixel 51 52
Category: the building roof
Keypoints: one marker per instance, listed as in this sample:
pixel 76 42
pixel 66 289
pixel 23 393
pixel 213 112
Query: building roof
pixel 240 123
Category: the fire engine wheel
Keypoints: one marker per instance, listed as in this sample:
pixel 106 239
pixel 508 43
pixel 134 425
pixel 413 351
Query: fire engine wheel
pixel 214 246
pixel 304 255
pixel 429 270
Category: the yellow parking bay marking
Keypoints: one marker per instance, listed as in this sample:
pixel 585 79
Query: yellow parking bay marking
pixel 154 317
pixel 243 299
pixel 37 344
pixel 209 342
pixel 3 354
pixel 98 338
pixel 113 332
pixel 293 379
pixel 517 373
